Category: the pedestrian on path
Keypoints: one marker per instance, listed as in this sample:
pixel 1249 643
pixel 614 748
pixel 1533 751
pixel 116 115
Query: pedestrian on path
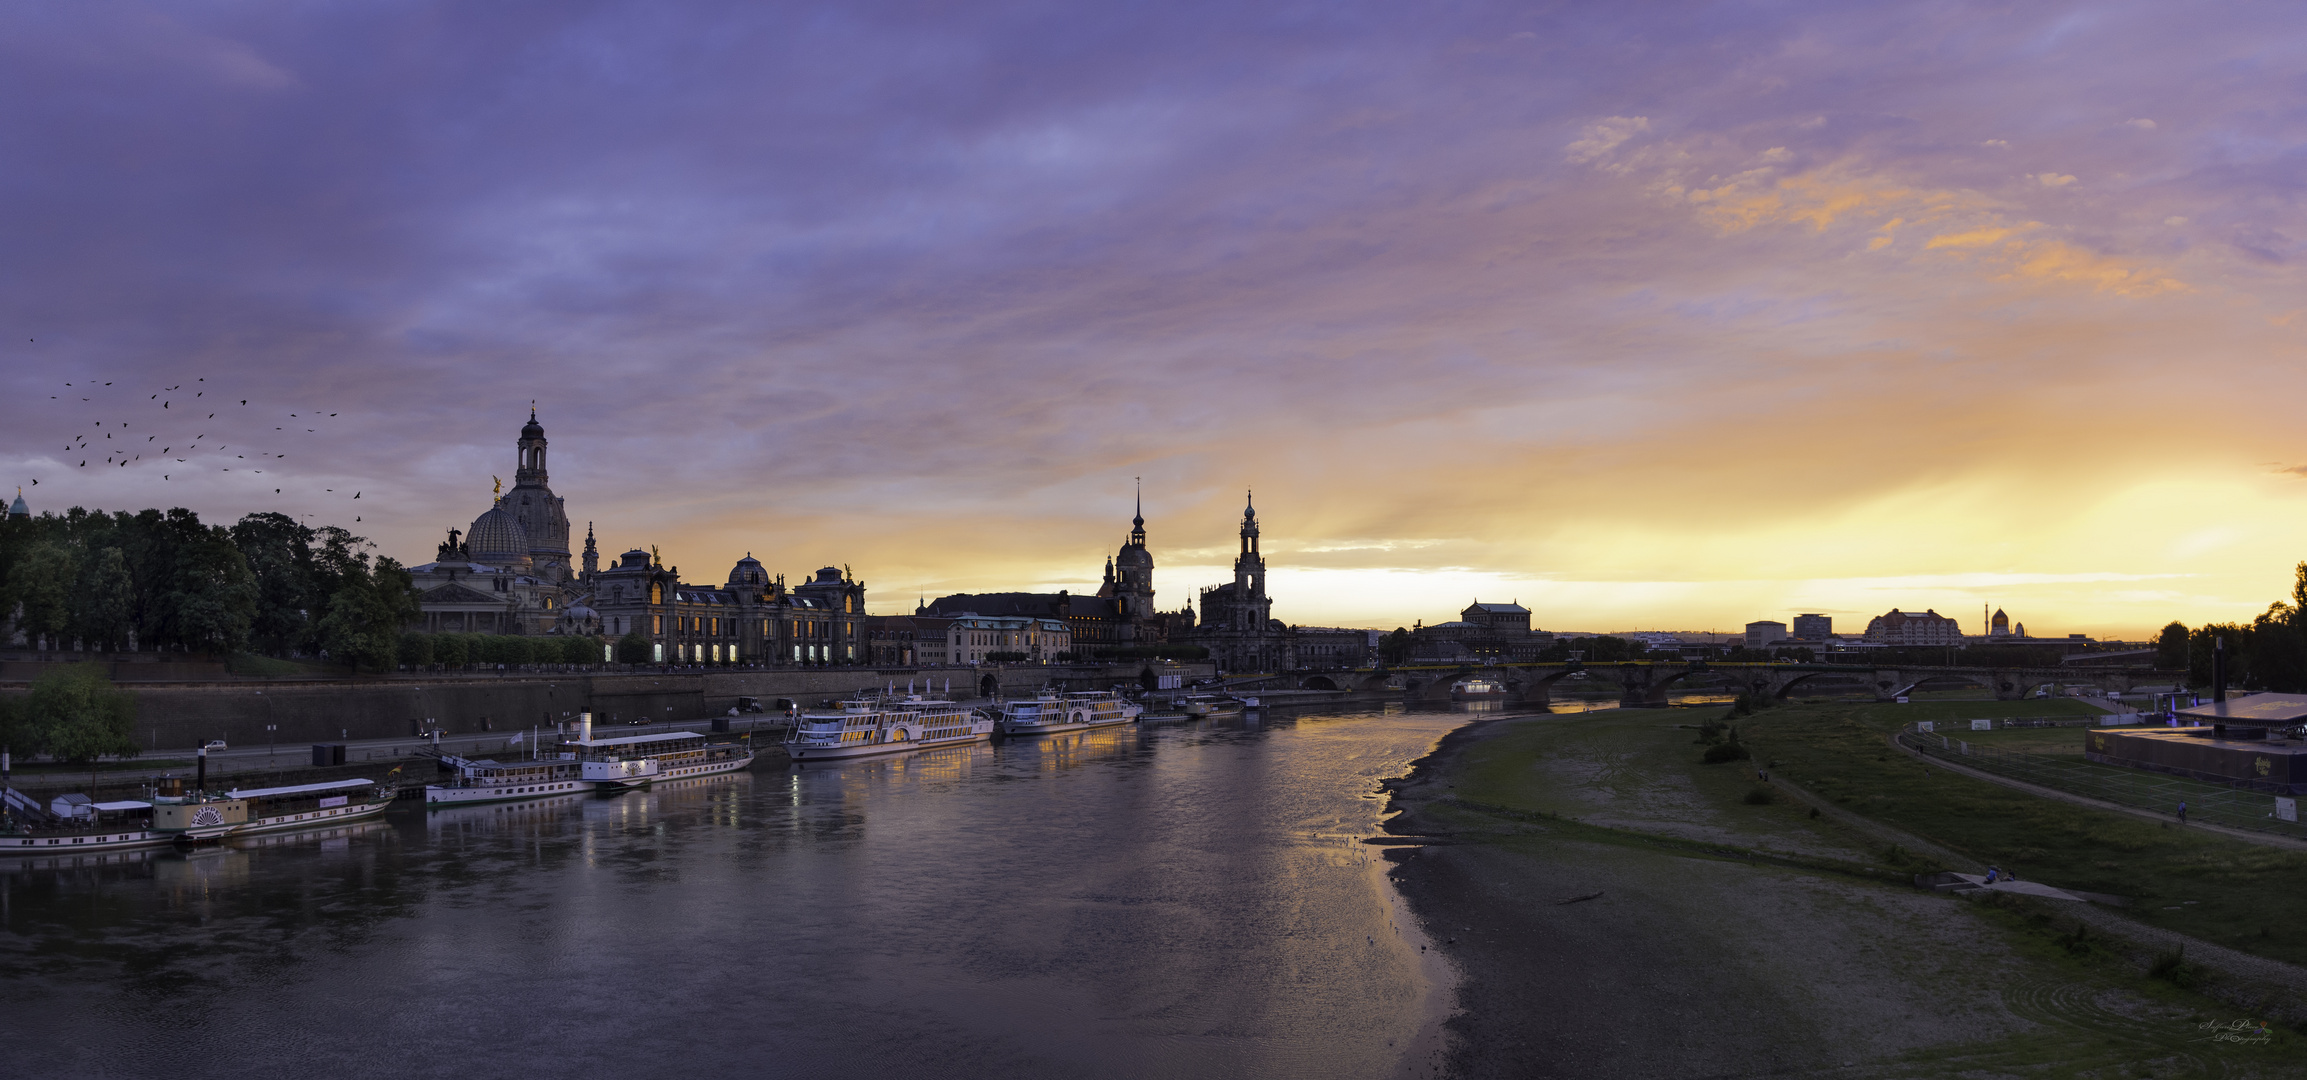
pixel 2182 811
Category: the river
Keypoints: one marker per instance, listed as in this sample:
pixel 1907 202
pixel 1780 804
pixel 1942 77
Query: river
pixel 1173 901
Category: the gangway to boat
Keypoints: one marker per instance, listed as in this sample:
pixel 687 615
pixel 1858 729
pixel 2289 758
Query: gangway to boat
pixel 27 807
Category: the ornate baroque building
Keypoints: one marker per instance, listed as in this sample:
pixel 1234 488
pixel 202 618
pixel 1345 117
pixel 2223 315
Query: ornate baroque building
pixel 1121 613
pixel 510 574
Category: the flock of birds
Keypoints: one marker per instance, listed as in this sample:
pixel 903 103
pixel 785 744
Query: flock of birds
pixel 177 441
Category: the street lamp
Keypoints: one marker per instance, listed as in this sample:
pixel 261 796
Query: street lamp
pixel 271 741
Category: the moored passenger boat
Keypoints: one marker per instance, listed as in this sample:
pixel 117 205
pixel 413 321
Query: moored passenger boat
pixel 486 781
pixel 86 827
pixel 636 760
pixel 864 727
pixel 1202 706
pixel 193 816
pixel 1051 712
pixel 1465 689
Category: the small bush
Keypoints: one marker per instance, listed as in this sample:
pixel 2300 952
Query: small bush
pixel 2173 968
pixel 1760 795
pixel 1729 751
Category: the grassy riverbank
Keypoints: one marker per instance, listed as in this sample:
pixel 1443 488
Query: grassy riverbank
pixel 2239 894
pixel 1809 958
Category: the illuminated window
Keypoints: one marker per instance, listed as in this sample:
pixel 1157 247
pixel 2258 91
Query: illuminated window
pixel 658 650
pixel 657 626
pixel 608 652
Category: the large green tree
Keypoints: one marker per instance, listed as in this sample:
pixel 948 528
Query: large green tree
pixel 42 580
pixel 1395 648
pixel 633 648
pixel 279 555
pixel 2171 647
pixel 211 599
pixel 75 713
pixel 368 611
pixel 104 604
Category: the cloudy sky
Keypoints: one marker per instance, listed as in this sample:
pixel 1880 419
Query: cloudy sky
pixel 1647 316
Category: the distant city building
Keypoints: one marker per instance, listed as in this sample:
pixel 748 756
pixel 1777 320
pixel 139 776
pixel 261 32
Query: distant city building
pixel 1483 633
pixel 893 640
pixel 752 618
pixel 17 511
pixel 972 638
pixel 1760 634
pixel 1813 627
pixel 1999 626
pixel 1121 613
pixel 1333 647
pixel 1904 628
pixel 930 645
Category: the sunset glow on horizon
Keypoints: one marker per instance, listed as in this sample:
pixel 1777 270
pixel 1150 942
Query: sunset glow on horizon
pixel 1647 319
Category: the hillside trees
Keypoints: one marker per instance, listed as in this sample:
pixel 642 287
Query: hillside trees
pixel 163 580
pixel 370 605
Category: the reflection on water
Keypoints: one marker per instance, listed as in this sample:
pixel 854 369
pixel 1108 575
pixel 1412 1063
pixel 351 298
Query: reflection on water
pixel 1189 899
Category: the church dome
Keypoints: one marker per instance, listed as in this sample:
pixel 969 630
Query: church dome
pixel 498 538
pixel 533 430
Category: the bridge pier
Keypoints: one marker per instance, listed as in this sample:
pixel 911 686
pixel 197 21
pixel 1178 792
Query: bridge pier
pixel 1638 688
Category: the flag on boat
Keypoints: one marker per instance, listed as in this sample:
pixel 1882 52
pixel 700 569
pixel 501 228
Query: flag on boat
pixel 516 738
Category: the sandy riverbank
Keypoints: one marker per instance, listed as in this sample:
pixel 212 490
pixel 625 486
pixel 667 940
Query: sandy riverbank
pixel 1687 966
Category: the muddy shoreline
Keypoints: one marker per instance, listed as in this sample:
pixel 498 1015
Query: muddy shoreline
pixel 1579 958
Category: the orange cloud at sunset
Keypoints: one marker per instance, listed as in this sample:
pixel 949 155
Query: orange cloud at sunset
pixel 1642 325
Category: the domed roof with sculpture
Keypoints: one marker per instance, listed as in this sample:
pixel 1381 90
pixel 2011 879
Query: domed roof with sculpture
pixel 498 539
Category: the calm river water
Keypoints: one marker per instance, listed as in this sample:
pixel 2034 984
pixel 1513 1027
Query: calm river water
pixel 1184 900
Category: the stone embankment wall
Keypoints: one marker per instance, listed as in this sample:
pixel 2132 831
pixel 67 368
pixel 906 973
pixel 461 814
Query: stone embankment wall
pixel 181 714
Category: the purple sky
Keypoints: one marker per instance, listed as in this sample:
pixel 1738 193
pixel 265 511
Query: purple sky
pixel 1644 316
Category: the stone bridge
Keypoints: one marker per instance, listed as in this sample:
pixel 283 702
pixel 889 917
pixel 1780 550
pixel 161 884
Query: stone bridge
pixel 1646 682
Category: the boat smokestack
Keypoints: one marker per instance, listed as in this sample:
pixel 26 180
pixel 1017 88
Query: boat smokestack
pixel 585 726
pixel 2219 668
pixel 200 780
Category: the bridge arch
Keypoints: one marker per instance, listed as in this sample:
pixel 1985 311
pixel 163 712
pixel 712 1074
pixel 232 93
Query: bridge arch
pixel 1318 682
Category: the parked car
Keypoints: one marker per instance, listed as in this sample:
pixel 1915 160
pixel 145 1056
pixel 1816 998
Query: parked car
pixel 213 744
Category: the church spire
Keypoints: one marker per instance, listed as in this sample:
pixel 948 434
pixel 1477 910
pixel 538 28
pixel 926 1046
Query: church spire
pixel 1137 524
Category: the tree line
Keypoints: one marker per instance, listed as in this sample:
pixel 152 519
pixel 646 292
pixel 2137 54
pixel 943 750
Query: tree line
pixel 154 581
pixel 2267 653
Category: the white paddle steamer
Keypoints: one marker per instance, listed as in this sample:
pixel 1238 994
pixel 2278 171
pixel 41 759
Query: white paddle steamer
pixel 864 727
pixel 1050 712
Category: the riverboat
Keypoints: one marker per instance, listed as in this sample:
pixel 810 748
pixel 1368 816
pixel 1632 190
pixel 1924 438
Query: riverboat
pixel 639 760
pixel 85 827
pixel 1468 689
pixel 1051 712
pixel 196 817
pixel 1203 706
pixel 487 781
pixel 865 727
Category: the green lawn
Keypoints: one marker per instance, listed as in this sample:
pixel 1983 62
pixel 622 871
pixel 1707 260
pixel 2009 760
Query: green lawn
pixel 2208 886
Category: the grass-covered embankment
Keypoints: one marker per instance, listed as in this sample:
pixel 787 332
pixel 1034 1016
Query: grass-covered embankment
pixel 2205 885
pixel 1595 866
